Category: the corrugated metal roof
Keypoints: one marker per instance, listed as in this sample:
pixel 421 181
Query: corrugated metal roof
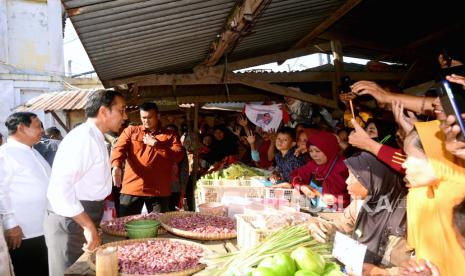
pixel 124 38
pixel 55 101
pixel 283 23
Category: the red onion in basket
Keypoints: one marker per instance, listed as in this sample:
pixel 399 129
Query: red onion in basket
pixel 204 224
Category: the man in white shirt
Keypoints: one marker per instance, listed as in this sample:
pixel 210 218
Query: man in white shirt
pixel 24 177
pixel 80 181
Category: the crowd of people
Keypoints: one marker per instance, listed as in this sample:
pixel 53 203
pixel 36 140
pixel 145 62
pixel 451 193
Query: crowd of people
pixel 394 177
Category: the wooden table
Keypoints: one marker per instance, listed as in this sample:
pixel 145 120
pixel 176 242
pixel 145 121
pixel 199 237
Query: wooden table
pixel 81 266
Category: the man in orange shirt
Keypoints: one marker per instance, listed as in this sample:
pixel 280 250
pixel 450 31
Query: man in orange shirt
pixel 149 152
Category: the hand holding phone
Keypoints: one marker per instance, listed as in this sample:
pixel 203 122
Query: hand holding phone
pixel 452 98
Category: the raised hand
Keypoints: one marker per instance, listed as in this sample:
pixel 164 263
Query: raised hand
pixel 438 110
pixel 272 133
pixel 300 151
pixel 452 130
pixel 371 88
pixel 360 139
pixel 457 79
pixel 243 120
pixel 346 97
pixel 237 131
pixel 250 137
pixel 407 123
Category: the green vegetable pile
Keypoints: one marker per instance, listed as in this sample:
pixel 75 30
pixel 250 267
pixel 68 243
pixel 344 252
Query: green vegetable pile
pixel 300 262
pixel 290 251
pixel 234 171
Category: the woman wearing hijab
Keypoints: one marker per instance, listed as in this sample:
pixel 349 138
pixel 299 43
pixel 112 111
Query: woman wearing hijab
pixel 380 223
pixel 323 178
pixel 437 185
pixel 225 144
pixel 385 199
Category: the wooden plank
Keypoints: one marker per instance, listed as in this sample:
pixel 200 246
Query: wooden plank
pixel 215 78
pixel 220 98
pixel 338 14
pixel 59 121
pixel 212 76
pixel 284 91
pixel 241 19
pixel 293 53
pixel 338 66
pixel 323 76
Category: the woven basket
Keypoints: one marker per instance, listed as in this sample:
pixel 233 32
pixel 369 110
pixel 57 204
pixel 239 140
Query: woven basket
pixel 123 233
pixel 165 220
pixel 190 271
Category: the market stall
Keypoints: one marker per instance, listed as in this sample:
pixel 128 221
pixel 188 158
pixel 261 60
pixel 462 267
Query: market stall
pixel 240 221
pixel 194 245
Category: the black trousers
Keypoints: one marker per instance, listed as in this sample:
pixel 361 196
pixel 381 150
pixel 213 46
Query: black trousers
pixel 132 205
pixel 30 258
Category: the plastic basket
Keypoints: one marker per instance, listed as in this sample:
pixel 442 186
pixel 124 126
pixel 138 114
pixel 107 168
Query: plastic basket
pixel 292 196
pixel 214 193
pixel 257 182
pixel 247 235
pixel 208 193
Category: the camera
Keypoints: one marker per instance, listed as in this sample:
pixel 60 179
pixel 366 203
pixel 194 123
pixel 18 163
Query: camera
pixel 452 98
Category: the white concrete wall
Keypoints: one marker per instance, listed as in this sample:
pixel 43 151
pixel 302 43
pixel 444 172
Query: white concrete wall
pixel 34 35
pixel 31 53
pixel 3 32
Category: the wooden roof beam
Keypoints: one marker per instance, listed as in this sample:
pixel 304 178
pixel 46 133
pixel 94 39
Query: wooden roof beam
pixel 215 78
pixel 220 98
pixel 338 14
pixel 269 58
pixel 283 91
pixel 238 22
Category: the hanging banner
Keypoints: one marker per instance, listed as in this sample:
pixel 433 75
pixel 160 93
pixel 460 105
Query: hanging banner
pixel 265 116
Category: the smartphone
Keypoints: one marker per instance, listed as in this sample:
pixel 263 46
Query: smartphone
pixel 452 98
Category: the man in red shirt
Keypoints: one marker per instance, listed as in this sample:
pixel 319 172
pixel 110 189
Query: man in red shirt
pixel 149 152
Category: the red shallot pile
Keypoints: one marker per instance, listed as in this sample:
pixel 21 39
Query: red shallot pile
pixel 118 223
pixel 157 256
pixel 204 224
